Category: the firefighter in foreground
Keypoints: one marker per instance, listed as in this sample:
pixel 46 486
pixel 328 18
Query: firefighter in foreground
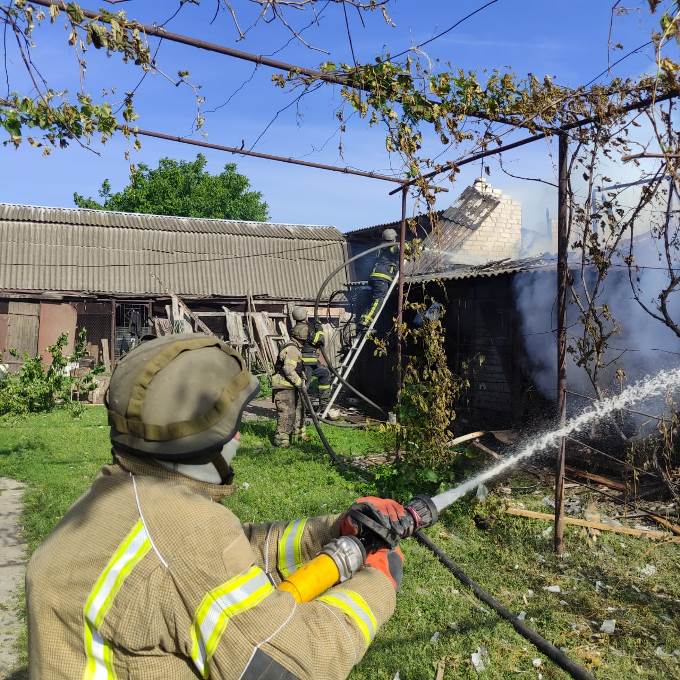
pixel 384 270
pixel 310 355
pixel 147 576
pixel 286 383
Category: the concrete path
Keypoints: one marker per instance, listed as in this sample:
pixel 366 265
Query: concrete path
pixel 12 567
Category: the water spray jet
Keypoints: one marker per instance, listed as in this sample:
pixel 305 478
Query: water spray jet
pixel 662 382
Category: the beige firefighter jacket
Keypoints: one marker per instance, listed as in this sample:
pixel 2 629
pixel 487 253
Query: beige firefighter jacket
pixel 147 577
pixel 289 363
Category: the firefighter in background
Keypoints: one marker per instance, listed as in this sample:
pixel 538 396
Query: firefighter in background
pixel 384 270
pixel 286 383
pixel 310 355
pixel 149 576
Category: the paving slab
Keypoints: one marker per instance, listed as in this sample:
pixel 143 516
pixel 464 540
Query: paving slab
pixel 12 569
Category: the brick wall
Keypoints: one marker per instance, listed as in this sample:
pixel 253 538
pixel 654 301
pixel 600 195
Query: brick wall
pixel 494 225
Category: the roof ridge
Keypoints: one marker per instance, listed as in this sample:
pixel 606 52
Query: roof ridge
pixel 173 217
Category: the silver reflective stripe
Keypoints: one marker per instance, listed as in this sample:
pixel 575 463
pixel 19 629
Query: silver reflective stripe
pixel 352 604
pixel 290 548
pixel 236 595
pixel 99 664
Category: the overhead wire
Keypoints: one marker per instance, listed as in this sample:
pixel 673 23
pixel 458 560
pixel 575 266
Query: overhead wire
pixel 444 32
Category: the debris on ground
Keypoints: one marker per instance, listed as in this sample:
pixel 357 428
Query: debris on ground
pixel 435 637
pixel 647 570
pixel 480 659
pixel 608 626
pixel 553 589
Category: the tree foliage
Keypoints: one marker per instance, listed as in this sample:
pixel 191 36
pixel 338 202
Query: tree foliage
pixel 183 188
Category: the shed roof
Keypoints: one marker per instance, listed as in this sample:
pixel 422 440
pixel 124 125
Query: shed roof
pixel 73 249
pixel 490 269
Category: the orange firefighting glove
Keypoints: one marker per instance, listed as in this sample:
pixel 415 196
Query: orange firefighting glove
pixel 384 511
pixel 390 561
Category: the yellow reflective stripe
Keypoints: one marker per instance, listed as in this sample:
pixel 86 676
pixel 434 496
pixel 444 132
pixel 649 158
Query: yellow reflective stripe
pixel 380 275
pixel 290 548
pixel 99 664
pixel 310 360
pixel 324 387
pixel 317 336
pixel 233 597
pixel 352 604
pixel 369 314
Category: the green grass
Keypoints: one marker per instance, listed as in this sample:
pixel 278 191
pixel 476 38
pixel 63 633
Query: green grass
pixel 57 455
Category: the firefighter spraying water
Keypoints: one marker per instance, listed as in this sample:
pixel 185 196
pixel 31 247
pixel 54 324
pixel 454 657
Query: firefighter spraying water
pixel 372 530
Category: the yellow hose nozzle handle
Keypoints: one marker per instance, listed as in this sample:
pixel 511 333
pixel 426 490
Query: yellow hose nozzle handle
pixel 338 561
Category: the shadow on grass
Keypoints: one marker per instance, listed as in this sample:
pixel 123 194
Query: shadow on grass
pixel 23 447
pixel 19 674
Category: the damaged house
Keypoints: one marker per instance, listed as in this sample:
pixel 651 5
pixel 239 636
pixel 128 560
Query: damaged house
pixel 123 275
pixel 500 315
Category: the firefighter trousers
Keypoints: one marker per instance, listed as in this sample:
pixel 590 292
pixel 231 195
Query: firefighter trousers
pixel 289 414
pixel 379 288
pixel 323 377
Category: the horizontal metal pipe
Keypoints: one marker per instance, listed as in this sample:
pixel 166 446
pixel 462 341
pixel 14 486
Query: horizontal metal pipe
pixel 534 138
pixel 160 32
pixel 257 154
pixel 294 69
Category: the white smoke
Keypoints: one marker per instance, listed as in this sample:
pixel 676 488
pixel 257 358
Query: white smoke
pixel 642 345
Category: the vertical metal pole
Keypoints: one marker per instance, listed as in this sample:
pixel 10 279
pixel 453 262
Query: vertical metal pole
pixel 112 349
pixel 400 293
pixel 562 274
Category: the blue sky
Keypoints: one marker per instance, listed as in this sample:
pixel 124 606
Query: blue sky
pixel 565 40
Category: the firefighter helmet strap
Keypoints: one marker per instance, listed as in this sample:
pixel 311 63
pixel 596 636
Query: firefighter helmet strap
pixel 132 423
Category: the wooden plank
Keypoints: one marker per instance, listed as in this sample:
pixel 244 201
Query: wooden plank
pixel 598 479
pixel 24 308
pixel 638 533
pixel 665 523
pixel 466 438
pixel 106 356
pixel 265 332
pixel 184 311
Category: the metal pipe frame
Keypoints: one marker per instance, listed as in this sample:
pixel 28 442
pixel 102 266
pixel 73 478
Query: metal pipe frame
pixel 562 282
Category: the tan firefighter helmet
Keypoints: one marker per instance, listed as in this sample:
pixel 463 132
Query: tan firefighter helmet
pixel 389 235
pixel 299 314
pixel 178 397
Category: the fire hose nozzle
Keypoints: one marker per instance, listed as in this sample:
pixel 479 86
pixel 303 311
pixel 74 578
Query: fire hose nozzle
pixel 424 513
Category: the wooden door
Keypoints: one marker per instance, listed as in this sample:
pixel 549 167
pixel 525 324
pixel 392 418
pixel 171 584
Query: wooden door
pixel 23 323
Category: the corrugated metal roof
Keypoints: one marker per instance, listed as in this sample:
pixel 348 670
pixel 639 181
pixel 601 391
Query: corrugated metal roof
pixel 67 249
pixel 193 225
pixel 490 269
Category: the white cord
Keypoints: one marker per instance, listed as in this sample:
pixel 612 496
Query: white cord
pixel 141 515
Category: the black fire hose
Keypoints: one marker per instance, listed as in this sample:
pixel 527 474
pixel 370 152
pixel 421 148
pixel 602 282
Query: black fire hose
pixel 553 653
pixel 316 320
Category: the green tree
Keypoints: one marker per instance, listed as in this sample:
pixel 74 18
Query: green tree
pixel 183 188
